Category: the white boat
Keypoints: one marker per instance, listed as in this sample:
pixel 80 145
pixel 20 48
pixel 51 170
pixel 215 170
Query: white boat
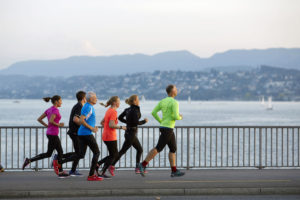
pixel 263 100
pixel 189 99
pixel 143 99
pixel 270 106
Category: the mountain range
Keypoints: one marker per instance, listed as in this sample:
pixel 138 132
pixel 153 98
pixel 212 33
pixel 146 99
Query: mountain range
pixel 166 61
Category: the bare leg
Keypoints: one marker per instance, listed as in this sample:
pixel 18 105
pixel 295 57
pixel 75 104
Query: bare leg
pixel 151 155
pixel 172 159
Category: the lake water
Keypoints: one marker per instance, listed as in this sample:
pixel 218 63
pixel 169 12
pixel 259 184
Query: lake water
pixel 195 113
pixel 206 146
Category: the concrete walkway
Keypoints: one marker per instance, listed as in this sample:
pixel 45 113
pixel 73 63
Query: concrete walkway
pixel 157 182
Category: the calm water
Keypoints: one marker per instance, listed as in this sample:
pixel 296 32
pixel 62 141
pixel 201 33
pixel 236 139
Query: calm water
pixel 195 113
pixel 15 147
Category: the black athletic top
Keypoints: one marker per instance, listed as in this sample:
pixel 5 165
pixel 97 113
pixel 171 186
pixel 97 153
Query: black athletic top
pixel 132 114
pixel 73 127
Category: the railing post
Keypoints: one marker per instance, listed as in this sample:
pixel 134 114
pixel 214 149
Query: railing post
pixel 36 148
pixel 260 149
pixel 188 149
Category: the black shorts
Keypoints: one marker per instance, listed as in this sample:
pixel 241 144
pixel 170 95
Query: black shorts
pixel 167 137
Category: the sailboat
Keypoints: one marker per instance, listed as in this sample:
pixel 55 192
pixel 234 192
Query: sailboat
pixel 270 106
pixel 189 99
pixel 143 99
pixel 263 100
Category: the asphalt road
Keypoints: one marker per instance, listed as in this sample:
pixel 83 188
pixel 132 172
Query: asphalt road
pixel 157 182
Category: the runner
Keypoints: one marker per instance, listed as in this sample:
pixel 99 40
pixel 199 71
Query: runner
pixel 170 113
pixel 131 117
pixel 85 135
pixel 109 136
pixel 74 125
pixel 53 125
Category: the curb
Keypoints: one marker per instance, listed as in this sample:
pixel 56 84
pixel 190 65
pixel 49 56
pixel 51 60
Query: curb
pixel 151 192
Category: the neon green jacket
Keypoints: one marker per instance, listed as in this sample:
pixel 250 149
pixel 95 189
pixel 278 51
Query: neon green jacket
pixel 170 112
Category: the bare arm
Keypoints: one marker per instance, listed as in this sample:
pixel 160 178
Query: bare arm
pixel 113 125
pixel 76 120
pixel 40 120
pixel 83 122
pixel 54 123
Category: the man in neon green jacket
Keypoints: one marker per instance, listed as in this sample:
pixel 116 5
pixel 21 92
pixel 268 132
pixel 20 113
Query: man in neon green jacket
pixel 170 113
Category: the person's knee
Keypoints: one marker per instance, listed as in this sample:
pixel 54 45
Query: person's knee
pixel 158 149
pixel 140 150
pixel 115 155
pixel 97 154
pixel 173 150
pixel 48 154
pixel 80 155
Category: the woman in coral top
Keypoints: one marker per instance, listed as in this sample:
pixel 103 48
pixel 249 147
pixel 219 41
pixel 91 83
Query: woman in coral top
pixel 109 135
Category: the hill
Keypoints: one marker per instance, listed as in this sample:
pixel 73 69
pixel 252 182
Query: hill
pixel 232 60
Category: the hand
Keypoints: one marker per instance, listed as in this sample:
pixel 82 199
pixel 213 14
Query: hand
pixel 95 129
pixel 146 120
pixel 124 128
pixel 102 122
pixel 180 116
pixel 61 124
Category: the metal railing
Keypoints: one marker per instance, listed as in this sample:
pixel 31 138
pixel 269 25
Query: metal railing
pixel 197 147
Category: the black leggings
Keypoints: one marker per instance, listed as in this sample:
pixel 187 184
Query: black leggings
pixel 73 156
pixel 53 144
pixel 130 140
pixel 89 141
pixel 113 154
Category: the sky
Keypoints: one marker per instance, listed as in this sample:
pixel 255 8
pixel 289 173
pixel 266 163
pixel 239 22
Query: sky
pixel 55 29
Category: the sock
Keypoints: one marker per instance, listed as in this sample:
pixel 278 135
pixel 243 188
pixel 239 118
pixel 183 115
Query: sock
pixel 136 165
pixel 174 169
pixel 144 163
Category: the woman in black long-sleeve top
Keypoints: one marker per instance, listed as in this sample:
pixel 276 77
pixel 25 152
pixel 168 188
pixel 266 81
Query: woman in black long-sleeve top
pixel 131 117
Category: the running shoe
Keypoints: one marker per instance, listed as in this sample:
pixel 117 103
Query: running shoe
pixel 141 169
pixel 137 171
pixel 54 157
pixel 111 170
pixel 177 173
pixel 26 162
pixel 94 178
pixel 76 173
pixel 63 175
pixel 55 166
pixel 104 176
pixel 1 168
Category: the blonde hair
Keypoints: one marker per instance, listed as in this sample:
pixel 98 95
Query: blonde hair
pixel 112 100
pixel 131 99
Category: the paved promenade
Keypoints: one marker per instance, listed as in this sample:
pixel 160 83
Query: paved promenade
pixel 157 182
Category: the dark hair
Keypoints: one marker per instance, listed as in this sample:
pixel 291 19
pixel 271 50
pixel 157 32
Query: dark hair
pixel 169 88
pixel 53 99
pixel 80 95
pixel 110 101
pixel 131 99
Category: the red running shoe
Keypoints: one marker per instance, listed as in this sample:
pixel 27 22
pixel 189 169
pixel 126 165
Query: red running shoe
pixel 94 178
pixel 55 166
pixel 111 170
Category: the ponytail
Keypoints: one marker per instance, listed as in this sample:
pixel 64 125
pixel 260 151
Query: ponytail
pixel 131 99
pixel 53 99
pixel 110 101
pixel 47 99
